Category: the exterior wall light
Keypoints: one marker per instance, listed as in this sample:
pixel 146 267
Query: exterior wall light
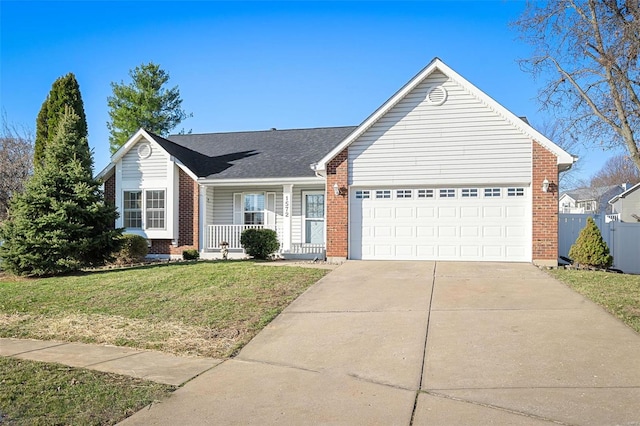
pixel 545 185
pixel 339 190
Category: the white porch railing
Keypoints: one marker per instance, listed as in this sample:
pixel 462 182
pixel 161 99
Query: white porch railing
pixel 229 233
pixel 612 218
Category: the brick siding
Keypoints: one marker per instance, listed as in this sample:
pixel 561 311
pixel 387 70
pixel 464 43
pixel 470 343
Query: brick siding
pixel 545 207
pixel 188 215
pixel 337 207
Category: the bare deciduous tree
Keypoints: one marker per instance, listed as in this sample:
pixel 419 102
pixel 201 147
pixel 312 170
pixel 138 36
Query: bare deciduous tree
pixel 16 155
pixel 616 171
pixel 587 51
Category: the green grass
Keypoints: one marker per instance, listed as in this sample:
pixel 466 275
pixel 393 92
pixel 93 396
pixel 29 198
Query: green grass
pixel 617 293
pixel 36 393
pixel 202 308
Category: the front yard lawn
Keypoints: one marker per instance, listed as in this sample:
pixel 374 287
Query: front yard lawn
pixel 617 293
pixel 37 393
pixel 203 308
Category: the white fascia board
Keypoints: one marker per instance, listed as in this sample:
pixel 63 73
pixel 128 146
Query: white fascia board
pixel 106 170
pixel 564 159
pixel 140 134
pixel 184 168
pixel 625 193
pixel 262 181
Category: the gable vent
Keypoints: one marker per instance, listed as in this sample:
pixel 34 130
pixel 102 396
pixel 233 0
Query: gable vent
pixel 437 95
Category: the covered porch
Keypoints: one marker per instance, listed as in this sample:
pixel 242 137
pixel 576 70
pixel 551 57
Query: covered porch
pixel 295 211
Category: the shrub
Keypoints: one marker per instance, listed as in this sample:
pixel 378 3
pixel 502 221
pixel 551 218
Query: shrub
pixel 259 243
pixel 191 254
pixel 590 249
pixel 133 250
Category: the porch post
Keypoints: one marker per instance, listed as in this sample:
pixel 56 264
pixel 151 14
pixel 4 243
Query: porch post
pixel 202 219
pixel 287 200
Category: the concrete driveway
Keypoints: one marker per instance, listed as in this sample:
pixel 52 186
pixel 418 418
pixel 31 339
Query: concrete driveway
pixel 424 343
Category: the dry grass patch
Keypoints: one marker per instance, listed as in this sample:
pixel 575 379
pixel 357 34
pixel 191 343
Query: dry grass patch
pixel 205 308
pixel 617 293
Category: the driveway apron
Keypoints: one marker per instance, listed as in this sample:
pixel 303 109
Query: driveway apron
pixel 424 343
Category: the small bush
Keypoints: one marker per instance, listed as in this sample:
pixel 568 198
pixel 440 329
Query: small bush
pixel 133 250
pixel 259 243
pixel 191 254
pixel 590 249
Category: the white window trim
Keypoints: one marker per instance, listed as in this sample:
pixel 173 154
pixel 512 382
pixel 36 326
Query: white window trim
pixel 304 215
pixel 150 233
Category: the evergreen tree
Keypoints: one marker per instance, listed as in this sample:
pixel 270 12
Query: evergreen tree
pixel 144 103
pixel 60 223
pixel 590 249
pixel 65 93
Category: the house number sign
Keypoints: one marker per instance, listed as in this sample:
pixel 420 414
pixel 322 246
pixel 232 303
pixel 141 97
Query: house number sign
pixel 286 204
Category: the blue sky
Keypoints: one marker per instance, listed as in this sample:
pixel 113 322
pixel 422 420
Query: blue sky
pixel 258 65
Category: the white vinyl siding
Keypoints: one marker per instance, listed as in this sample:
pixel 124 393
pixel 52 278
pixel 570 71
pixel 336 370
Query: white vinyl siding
pixel 460 142
pixel 151 168
pixel 220 205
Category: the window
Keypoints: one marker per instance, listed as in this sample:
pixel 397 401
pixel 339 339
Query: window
pixel 155 209
pixel 254 209
pixel 469 192
pixel 492 192
pixel 153 206
pixel 132 211
pixel 314 218
pixel 403 193
pixel 362 194
pixel 447 193
pixel 515 192
pixel 386 193
pixel 425 193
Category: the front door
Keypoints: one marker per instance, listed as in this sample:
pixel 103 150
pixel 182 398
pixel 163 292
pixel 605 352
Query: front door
pixel 313 217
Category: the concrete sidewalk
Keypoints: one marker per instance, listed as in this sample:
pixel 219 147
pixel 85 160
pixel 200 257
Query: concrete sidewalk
pixel 154 366
pixel 425 344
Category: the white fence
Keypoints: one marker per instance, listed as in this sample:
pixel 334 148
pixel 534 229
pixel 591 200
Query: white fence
pixel 622 238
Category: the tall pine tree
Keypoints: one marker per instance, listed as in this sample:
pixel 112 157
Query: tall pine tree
pixel 146 103
pixel 60 223
pixel 65 93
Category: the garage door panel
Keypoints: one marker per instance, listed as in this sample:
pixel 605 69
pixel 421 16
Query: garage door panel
pixel 492 231
pixel 469 212
pixel 404 231
pixel 434 228
pixel 425 231
pixel 382 213
pixel 447 231
pixel 470 251
pixel 492 211
pixel 447 212
pixel 425 212
pixel 469 231
pixel 404 213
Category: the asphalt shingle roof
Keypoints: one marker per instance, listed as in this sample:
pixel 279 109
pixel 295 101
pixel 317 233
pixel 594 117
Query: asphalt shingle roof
pixel 257 154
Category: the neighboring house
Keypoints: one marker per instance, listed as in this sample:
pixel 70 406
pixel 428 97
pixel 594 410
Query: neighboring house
pixel 589 200
pixel 627 205
pixel 438 172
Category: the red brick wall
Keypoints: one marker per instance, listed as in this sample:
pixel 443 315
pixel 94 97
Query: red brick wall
pixel 188 214
pixel 337 207
pixel 545 206
pixel 110 190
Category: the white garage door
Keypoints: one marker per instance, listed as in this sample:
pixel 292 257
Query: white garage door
pixel 483 224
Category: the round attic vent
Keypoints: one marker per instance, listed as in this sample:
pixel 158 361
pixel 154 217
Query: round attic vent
pixel 144 150
pixel 437 95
